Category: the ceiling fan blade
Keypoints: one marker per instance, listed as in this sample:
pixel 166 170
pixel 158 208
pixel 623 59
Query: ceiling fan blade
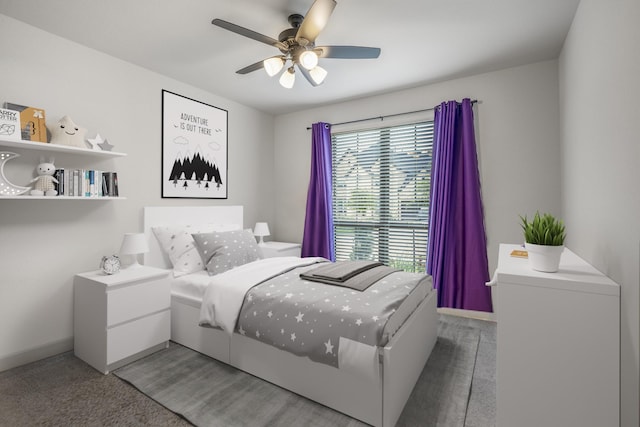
pixel 248 33
pixel 315 20
pixel 307 76
pixel 251 68
pixel 347 52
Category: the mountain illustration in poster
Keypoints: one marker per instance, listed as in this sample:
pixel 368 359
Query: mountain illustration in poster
pixel 195 170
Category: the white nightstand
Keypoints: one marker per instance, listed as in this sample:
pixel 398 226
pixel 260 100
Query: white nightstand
pixel 276 249
pixel 122 317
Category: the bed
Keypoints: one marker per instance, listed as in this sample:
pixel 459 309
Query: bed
pixel 373 392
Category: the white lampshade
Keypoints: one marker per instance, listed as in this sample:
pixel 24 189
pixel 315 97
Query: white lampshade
pixel 318 74
pixel 134 244
pixel 261 229
pixel 308 59
pixel 273 65
pixel 288 78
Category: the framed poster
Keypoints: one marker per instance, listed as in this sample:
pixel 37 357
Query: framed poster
pixel 194 149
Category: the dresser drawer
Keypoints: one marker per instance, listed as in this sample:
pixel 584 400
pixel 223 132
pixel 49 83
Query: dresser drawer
pixel 136 300
pixel 133 337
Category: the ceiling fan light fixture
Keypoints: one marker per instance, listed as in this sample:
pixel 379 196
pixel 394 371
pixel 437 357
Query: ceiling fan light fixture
pixel 308 59
pixel 273 65
pixel 288 78
pixel 318 74
pixel 297 46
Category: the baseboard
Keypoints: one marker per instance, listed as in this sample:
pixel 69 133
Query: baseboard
pixel 481 315
pixel 35 354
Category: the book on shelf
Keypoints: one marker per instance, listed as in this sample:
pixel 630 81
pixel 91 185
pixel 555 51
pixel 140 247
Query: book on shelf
pixel 86 183
pixel 10 124
pixel 76 183
pixel 110 184
pixel 59 176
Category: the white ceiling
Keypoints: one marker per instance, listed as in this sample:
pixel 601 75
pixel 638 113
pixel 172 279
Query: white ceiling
pixel 422 41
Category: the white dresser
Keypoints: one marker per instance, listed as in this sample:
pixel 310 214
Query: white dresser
pixel 120 317
pixel 558 344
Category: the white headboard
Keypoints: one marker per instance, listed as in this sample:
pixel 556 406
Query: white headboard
pixel 183 215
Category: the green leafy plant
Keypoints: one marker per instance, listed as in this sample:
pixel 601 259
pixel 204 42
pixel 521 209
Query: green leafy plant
pixel 543 230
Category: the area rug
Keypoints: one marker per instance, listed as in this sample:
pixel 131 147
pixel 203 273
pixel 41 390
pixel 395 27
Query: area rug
pixel 209 393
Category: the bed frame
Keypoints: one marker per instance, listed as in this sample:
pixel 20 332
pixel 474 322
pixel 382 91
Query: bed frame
pixel 378 401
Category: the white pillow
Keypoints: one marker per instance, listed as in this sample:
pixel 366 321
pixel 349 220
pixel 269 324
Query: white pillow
pixel 177 243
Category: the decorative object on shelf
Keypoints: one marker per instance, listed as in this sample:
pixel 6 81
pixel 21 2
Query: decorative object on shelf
pixel 544 241
pixel 45 182
pixel 10 124
pixel 105 146
pixel 66 132
pixel 110 264
pixel 194 148
pixel 7 188
pixel 32 122
pixel 261 229
pixel 132 245
pixel 95 143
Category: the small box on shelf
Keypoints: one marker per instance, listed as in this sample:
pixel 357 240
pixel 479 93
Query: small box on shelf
pixel 32 122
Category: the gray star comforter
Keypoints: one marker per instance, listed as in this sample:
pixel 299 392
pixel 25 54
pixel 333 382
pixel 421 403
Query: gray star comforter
pixel 303 317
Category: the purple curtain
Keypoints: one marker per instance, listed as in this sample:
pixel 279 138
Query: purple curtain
pixel 457 248
pixel 318 223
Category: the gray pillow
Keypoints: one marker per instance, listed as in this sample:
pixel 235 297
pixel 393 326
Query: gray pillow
pixel 224 250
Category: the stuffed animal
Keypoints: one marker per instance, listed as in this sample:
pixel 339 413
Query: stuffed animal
pixel 45 180
pixel 66 132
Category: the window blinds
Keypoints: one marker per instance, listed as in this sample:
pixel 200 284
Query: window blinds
pixel 381 184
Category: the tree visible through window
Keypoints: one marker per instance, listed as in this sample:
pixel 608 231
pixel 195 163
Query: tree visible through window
pixel 381 183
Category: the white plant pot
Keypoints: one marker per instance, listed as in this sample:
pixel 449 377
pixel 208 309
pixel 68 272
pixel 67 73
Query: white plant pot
pixel 544 258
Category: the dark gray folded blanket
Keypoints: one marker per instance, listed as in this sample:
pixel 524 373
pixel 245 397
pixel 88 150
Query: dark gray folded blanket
pixel 342 270
pixel 358 275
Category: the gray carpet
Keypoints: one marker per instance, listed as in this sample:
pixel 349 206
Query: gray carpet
pixel 64 391
pixel 210 393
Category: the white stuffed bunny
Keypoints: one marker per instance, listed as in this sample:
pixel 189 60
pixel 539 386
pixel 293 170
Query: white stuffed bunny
pixel 45 180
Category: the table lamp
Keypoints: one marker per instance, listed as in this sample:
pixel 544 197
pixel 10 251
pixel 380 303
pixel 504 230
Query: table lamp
pixel 132 245
pixel 261 229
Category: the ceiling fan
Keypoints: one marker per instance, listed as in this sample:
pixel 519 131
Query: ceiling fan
pixel 297 46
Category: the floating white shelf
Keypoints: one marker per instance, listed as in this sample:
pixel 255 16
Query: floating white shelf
pixel 55 148
pixel 28 197
pixel 29 145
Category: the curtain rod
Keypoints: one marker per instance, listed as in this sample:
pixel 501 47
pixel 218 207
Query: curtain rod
pixel 473 101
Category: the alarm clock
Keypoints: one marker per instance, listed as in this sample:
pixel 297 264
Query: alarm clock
pixel 110 264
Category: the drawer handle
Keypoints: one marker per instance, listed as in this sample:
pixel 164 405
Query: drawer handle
pixel 494 279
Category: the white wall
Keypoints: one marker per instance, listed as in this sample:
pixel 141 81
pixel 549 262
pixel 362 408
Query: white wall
pixel 518 138
pixel 600 109
pixel 44 243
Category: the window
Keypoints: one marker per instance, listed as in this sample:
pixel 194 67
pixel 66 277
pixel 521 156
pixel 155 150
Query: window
pixel 381 183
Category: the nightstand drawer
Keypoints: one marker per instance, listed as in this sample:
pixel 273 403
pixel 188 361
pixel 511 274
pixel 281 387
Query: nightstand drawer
pixel 137 300
pixel 133 337
pixel 280 249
